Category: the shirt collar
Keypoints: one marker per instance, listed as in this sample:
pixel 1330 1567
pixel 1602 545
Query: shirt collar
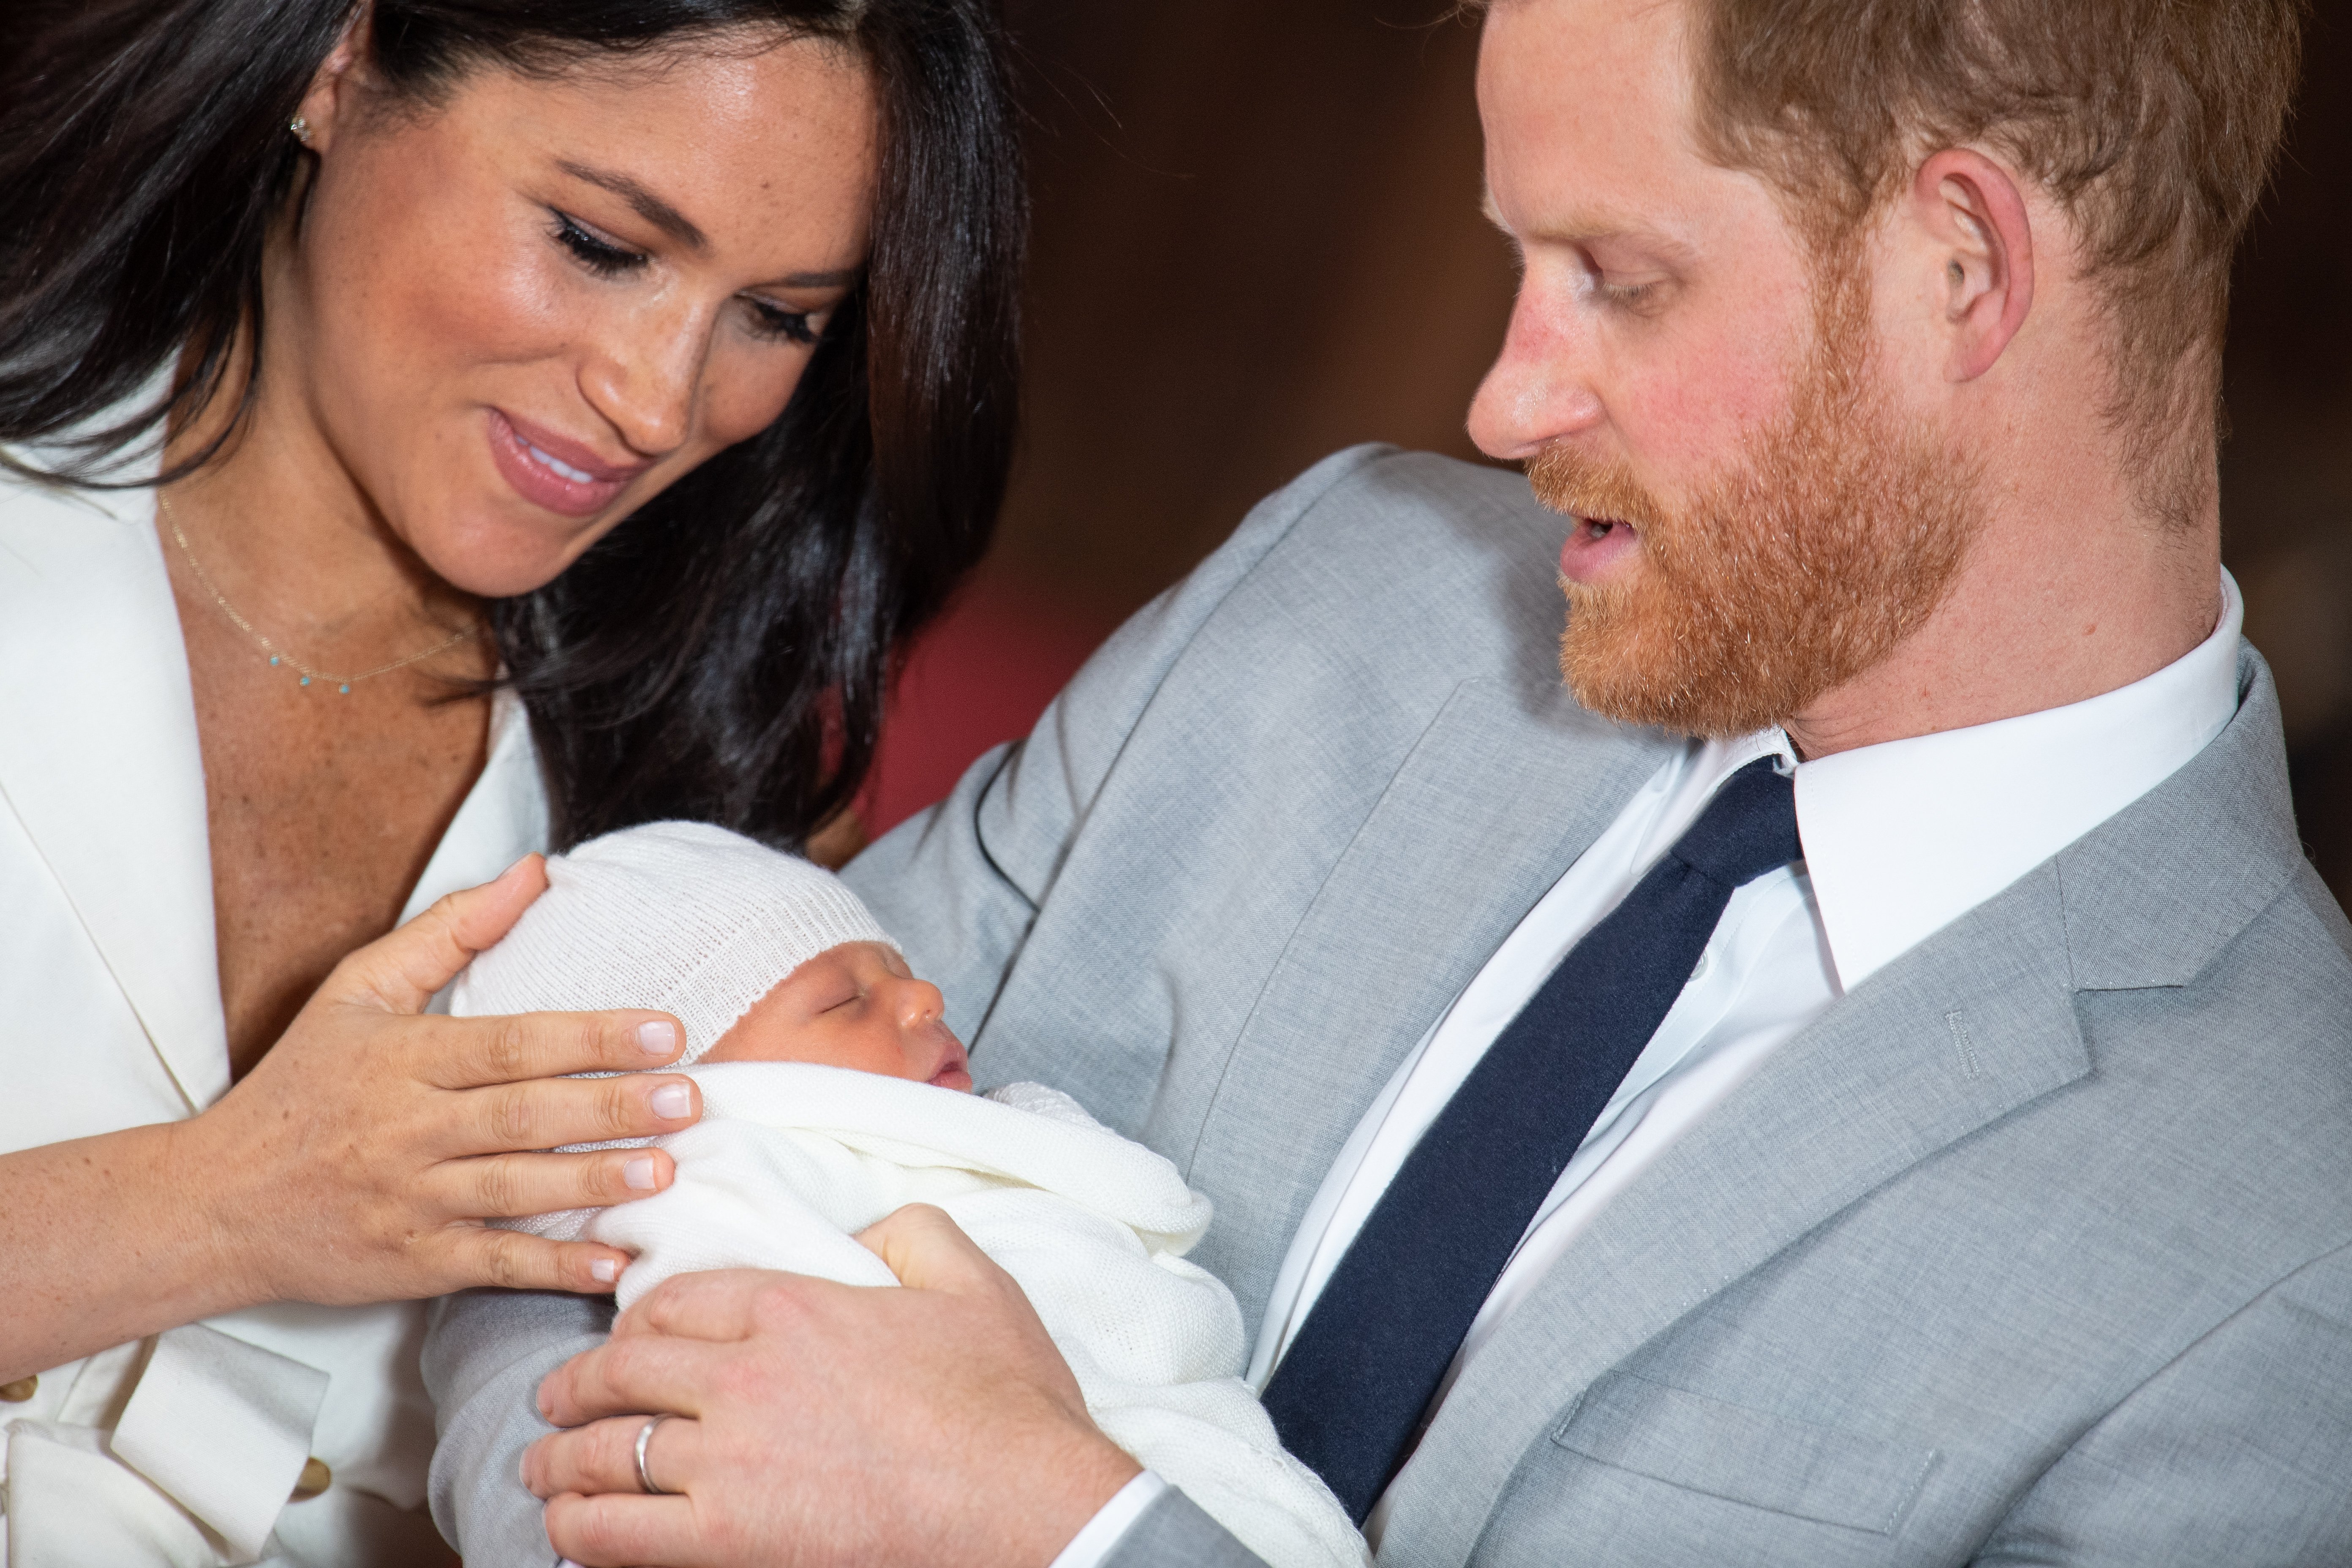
pixel 1904 838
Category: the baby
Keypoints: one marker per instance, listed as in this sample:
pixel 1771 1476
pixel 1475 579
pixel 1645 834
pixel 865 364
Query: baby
pixel 834 1093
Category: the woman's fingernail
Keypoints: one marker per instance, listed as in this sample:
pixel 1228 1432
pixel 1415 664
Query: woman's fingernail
pixel 639 1173
pixel 657 1038
pixel 604 1270
pixel 672 1102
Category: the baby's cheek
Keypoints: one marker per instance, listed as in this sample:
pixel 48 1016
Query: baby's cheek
pixel 729 1048
pixel 754 1038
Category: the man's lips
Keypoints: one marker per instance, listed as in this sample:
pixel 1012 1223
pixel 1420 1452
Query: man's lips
pixel 1594 546
pixel 554 471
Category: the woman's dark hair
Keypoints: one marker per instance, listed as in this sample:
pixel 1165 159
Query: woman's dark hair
pixel 723 653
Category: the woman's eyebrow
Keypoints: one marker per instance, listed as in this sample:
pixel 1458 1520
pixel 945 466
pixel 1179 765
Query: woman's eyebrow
pixel 647 206
pixel 677 224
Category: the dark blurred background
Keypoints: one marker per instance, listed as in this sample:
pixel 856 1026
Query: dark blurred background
pixel 1257 240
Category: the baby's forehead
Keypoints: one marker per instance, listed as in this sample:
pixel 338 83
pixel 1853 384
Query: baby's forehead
pixel 853 956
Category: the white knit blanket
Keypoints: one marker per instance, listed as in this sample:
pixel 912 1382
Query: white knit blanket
pixel 790 1160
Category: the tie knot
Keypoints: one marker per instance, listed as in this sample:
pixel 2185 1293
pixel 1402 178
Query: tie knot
pixel 1748 828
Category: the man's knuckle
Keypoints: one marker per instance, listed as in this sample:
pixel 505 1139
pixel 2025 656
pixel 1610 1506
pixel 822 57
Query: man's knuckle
pixel 780 1306
pixel 622 1361
pixel 594 1526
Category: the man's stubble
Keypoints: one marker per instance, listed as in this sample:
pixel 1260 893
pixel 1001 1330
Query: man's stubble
pixel 1830 540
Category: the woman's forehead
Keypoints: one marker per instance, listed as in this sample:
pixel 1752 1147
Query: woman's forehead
pixel 765 159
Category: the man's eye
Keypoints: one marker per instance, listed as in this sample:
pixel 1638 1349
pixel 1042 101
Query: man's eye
pixel 773 321
pixel 1635 297
pixel 596 254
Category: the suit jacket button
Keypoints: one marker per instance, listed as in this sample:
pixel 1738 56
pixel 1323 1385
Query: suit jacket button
pixel 21 1390
pixel 315 1478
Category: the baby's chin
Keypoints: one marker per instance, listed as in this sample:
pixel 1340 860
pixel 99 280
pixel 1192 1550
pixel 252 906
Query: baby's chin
pixel 728 1053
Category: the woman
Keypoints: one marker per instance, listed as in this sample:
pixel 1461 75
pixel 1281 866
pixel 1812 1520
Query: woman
pixel 436 431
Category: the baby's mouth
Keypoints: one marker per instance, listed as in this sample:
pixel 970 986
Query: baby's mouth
pixel 955 1066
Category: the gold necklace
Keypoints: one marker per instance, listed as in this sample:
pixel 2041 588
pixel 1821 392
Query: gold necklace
pixel 279 656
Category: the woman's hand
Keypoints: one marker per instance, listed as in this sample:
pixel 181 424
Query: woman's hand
pixel 823 1422
pixel 356 1162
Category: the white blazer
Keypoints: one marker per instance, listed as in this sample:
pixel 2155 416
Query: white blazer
pixel 183 1448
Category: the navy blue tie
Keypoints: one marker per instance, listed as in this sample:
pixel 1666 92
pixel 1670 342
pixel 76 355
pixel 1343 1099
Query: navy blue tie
pixel 1352 1387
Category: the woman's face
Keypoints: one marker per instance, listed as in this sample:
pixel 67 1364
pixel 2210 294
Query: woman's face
pixel 513 318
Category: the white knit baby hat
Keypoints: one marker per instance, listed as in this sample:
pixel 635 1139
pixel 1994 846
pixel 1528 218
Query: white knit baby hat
pixel 679 916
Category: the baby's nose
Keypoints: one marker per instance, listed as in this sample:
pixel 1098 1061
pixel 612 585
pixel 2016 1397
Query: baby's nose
pixel 919 1002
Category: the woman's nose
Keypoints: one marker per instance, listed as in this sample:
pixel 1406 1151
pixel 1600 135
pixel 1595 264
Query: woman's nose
pixel 1537 390
pixel 645 379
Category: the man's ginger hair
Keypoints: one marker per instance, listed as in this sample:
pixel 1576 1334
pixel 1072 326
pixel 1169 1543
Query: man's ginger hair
pixel 2152 124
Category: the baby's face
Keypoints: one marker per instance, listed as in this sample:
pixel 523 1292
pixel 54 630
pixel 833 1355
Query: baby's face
pixel 857 1005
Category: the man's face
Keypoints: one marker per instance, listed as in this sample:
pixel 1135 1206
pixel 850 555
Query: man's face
pixel 1760 520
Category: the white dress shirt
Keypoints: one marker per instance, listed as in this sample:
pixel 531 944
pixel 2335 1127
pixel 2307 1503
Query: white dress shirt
pixel 1900 840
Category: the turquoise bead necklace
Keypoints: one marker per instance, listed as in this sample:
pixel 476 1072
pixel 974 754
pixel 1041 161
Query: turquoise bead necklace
pixel 278 657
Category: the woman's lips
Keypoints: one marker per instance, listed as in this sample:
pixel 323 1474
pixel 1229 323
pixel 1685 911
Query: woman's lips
pixel 1594 546
pixel 548 471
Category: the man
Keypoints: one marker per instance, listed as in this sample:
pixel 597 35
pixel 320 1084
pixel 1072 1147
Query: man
pixel 1865 1081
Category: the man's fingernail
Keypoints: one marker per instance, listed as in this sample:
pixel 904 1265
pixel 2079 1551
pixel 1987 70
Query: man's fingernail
pixel 657 1038
pixel 639 1173
pixel 671 1102
pixel 604 1270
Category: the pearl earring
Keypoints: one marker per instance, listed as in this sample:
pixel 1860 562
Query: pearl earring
pixel 300 126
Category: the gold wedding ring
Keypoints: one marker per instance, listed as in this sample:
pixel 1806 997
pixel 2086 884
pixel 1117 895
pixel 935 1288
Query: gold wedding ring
pixel 644 1479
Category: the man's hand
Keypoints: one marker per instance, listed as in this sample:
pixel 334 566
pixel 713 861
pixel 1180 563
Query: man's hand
pixel 826 1422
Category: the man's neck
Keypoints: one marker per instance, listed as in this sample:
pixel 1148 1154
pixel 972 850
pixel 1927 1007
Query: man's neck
pixel 2044 614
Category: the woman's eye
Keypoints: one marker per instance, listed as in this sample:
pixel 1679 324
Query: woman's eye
pixel 773 321
pixel 598 255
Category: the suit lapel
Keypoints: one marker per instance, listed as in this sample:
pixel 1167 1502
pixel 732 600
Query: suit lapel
pixel 1486 813
pixel 99 759
pixel 1968 1026
pixel 1932 1047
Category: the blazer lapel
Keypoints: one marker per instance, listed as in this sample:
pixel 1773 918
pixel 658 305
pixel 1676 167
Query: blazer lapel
pixel 1486 813
pixel 1967 1027
pixel 99 759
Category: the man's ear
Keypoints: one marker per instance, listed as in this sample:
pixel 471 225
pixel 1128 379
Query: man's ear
pixel 1975 216
pixel 328 103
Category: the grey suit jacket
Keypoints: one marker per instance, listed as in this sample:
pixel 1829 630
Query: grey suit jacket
pixel 2033 1248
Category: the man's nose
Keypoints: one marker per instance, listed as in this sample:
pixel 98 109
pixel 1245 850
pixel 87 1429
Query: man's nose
pixel 1539 389
pixel 645 379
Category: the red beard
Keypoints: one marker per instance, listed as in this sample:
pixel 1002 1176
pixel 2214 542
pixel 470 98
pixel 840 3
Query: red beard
pixel 1832 537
